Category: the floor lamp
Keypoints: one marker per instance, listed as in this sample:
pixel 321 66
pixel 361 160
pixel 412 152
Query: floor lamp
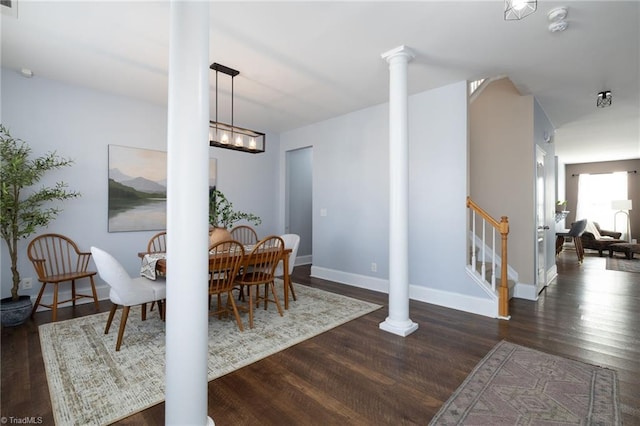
pixel 622 206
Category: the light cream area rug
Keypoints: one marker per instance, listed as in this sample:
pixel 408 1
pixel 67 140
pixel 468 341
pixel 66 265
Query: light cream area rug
pixel 92 384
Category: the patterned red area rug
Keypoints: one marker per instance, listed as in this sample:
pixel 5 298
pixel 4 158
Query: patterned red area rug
pixel 514 385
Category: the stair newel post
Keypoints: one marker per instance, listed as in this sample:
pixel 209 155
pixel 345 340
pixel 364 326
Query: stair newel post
pixel 503 309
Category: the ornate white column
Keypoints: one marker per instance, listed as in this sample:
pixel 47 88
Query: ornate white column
pixel 187 215
pixel 398 321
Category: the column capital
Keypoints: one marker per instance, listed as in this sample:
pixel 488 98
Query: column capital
pixel 400 51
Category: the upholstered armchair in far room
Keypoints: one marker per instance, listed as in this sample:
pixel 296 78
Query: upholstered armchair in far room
pixel 595 238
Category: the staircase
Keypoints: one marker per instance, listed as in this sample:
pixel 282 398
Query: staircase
pixel 487 263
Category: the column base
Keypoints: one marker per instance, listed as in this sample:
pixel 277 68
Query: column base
pixel 401 328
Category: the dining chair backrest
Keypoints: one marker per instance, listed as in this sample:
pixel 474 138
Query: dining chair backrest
pixel 56 255
pixel 263 259
pixel 158 243
pixel 224 265
pixel 245 234
pixel 123 291
pixel 291 241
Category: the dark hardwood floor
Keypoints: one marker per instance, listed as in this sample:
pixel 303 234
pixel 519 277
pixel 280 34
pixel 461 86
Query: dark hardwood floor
pixel 357 374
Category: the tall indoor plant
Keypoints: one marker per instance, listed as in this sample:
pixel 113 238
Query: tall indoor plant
pixel 22 213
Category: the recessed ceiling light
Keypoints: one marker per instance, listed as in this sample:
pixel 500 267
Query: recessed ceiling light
pixel 26 72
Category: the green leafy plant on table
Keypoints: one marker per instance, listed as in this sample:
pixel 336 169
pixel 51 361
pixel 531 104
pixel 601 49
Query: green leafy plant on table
pixel 222 214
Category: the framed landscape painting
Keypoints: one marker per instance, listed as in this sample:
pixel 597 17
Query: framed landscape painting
pixel 137 198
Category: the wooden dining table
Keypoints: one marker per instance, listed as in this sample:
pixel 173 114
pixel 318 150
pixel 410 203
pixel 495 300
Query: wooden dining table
pixel 161 268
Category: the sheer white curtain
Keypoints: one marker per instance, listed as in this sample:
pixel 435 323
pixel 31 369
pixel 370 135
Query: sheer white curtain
pixel 595 194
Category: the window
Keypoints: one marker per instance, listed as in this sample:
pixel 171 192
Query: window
pixel 595 194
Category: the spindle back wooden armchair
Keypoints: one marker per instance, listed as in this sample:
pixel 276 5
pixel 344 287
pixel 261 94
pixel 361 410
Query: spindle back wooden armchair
pixel 57 259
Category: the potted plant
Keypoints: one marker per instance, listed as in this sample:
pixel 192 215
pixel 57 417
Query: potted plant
pixel 22 214
pixel 561 206
pixel 222 216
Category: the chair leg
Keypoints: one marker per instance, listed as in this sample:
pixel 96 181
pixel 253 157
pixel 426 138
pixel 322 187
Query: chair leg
pixel 123 323
pixel 251 305
pixel 219 305
pixel 112 312
pixel 95 294
pixel 231 299
pixel 143 312
pixel 266 296
pixel 275 297
pixel 293 291
pixel 161 309
pixel 73 293
pixel 579 249
pixel 54 306
pixel 35 306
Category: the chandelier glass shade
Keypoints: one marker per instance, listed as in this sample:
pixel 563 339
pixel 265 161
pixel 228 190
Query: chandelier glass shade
pixel 518 9
pixel 229 136
pixel 604 99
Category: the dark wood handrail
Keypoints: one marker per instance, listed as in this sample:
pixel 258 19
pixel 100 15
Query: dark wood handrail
pixel 503 228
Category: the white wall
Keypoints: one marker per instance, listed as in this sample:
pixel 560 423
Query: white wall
pixel 350 182
pixel 80 124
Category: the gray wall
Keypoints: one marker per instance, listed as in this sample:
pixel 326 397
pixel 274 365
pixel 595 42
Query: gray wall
pixel 350 183
pixel 80 124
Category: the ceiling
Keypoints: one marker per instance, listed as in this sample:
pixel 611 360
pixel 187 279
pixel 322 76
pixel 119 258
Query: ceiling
pixel 303 62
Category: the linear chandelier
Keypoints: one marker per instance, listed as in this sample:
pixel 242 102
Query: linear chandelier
pixel 518 9
pixel 228 136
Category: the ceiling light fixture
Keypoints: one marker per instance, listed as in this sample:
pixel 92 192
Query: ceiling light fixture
pixel 518 9
pixel 604 99
pixel 228 136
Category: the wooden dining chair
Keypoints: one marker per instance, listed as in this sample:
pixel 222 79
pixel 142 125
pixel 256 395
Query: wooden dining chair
pixel 259 270
pixel 225 259
pixel 245 234
pixel 158 243
pixel 57 259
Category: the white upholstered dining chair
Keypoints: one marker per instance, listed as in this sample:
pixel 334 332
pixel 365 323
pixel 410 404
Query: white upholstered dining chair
pixel 126 291
pixel 291 241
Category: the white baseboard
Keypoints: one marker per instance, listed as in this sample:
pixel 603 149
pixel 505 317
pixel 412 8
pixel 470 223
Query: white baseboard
pixel 552 273
pixel 525 291
pixel 461 302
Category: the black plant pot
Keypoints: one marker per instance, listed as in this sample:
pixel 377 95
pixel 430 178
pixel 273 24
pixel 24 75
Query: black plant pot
pixel 15 312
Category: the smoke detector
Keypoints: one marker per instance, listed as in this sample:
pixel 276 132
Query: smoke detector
pixel 557 14
pixel 558 26
pixel 557 19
